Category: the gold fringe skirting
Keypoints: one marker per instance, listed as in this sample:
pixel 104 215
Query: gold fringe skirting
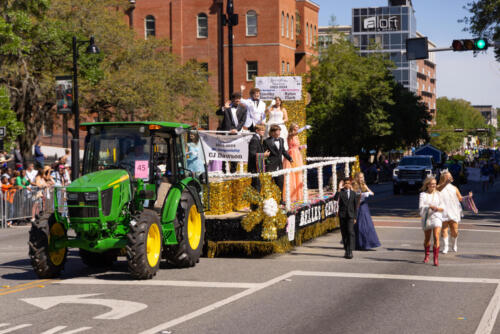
pixel 260 248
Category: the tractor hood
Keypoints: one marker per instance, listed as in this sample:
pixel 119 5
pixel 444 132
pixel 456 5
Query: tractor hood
pixel 101 179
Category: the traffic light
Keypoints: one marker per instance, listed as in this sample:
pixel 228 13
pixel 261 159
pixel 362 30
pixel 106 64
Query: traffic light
pixel 477 44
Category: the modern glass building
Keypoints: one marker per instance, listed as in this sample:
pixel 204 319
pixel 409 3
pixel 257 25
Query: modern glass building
pixel 385 29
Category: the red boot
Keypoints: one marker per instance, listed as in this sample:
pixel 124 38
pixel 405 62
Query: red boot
pixel 427 253
pixel 436 256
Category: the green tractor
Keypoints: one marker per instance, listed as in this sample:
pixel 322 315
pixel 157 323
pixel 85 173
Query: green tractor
pixel 140 193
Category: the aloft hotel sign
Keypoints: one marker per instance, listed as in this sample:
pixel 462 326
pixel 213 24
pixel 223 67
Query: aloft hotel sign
pixel 381 23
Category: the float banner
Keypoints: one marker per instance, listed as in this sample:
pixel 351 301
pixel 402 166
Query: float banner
pixel 315 212
pixel 287 88
pixel 225 148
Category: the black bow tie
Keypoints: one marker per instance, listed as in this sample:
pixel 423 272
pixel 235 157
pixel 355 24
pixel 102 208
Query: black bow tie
pixel 276 139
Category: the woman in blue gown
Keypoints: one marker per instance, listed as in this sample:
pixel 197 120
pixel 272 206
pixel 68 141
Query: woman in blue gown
pixel 366 236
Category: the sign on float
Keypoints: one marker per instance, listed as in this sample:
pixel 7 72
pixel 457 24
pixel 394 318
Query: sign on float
pixel 287 88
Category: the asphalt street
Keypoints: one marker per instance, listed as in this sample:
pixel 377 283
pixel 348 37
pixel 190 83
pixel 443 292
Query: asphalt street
pixel 311 289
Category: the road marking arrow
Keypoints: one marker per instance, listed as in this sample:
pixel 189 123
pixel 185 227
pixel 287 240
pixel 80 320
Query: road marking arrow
pixel 119 308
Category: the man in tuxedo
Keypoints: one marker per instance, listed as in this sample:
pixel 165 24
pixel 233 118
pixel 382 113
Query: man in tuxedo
pixel 256 145
pixel 348 207
pixel 276 145
pixel 256 110
pixel 235 114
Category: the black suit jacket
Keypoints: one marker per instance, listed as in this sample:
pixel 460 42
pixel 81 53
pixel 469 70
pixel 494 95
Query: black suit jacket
pixel 254 146
pixel 348 207
pixel 228 121
pixel 275 159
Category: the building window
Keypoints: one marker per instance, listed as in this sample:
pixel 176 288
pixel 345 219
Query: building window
pixel 204 70
pixel 150 26
pixel 282 24
pixel 311 36
pixel 291 28
pixel 282 67
pixel 287 67
pixel 315 34
pixel 202 25
pixel 307 33
pixel 287 26
pixel 252 70
pixel 251 23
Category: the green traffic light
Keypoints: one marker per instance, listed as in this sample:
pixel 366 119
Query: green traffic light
pixel 480 44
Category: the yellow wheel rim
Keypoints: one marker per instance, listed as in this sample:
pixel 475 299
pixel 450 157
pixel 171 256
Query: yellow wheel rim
pixel 153 245
pixel 57 255
pixel 194 227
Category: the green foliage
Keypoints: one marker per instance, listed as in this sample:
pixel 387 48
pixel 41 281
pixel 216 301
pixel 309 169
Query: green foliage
pixel 455 114
pixel 410 118
pixel 129 75
pixel 349 96
pixel 9 120
pixel 485 20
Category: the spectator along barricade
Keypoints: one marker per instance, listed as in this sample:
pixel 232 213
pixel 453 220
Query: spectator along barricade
pixel 24 204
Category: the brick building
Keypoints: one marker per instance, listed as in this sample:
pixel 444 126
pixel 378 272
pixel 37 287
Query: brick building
pixel 272 37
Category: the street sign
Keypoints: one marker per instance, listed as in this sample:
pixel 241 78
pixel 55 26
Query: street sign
pixel 2 132
pixel 417 48
pixel 64 94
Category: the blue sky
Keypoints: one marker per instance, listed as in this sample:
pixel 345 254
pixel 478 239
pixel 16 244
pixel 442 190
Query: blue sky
pixel 459 74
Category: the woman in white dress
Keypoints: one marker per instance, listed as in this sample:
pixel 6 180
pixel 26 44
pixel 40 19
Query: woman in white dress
pixel 277 115
pixel 431 210
pixel 450 198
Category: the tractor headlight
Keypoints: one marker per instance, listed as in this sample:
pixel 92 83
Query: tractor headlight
pixel 90 196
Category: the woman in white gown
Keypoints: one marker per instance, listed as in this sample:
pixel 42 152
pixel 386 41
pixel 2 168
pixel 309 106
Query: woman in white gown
pixel 451 198
pixel 277 115
pixel 431 212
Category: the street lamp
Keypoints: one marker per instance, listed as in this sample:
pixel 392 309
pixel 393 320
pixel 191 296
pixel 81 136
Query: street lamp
pixel 75 141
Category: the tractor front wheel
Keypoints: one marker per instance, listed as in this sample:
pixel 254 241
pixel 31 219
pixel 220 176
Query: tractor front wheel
pixel 144 245
pixel 46 261
pixel 190 233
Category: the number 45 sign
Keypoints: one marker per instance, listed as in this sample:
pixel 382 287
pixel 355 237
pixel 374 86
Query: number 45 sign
pixel 141 169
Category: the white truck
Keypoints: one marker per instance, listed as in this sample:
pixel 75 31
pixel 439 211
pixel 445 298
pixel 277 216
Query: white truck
pixel 411 172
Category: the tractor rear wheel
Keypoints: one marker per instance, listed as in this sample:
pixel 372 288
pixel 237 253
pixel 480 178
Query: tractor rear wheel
pixel 46 262
pixel 190 233
pixel 99 260
pixel 144 245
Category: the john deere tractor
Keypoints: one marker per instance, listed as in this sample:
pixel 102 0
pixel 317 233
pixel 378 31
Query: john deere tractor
pixel 139 195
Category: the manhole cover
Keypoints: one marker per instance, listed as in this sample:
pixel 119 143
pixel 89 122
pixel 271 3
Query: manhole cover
pixel 479 256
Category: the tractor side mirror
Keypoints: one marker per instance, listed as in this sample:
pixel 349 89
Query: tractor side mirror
pixel 179 131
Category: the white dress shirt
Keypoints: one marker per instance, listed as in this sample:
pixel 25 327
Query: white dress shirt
pixel 256 112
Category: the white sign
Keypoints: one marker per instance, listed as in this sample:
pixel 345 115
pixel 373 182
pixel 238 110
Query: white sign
pixel 287 88
pixel 381 23
pixel 119 308
pixel 225 148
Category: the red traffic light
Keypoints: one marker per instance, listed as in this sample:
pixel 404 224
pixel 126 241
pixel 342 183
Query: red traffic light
pixel 457 45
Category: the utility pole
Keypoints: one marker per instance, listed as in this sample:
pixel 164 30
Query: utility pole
pixel 231 20
pixel 220 38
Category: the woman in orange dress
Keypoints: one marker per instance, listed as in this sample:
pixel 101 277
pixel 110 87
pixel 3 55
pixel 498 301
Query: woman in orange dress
pixel 294 147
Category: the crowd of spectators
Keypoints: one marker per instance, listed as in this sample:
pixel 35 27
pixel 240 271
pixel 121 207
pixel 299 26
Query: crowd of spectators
pixel 29 183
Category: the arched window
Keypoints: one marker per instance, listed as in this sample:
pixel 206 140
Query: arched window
pixel 282 24
pixel 282 67
pixel 291 28
pixel 315 34
pixel 202 31
pixel 287 26
pixel 251 23
pixel 307 33
pixel 150 26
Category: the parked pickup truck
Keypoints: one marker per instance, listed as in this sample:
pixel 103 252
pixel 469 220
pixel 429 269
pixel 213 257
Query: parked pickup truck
pixel 411 172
